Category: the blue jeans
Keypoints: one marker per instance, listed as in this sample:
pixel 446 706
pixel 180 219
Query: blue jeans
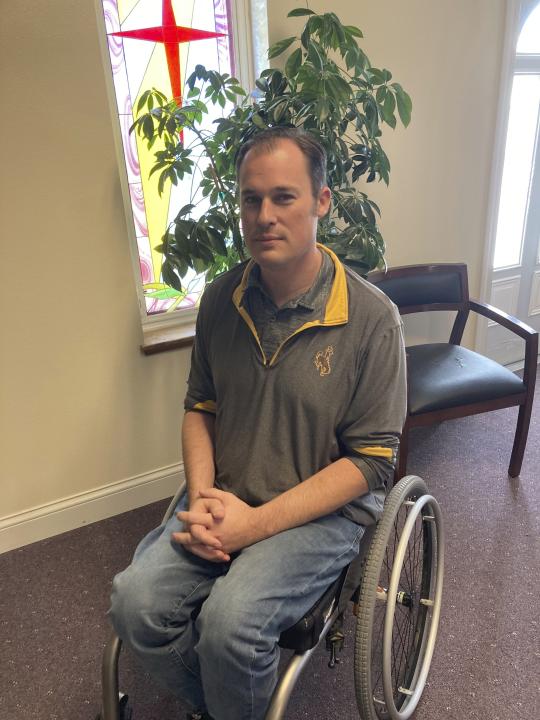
pixel 208 631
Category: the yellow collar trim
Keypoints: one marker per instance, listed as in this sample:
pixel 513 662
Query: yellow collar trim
pixel 337 305
pixel 238 294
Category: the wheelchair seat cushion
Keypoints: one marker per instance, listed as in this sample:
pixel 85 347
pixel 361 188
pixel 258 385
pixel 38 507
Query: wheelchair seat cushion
pixel 443 376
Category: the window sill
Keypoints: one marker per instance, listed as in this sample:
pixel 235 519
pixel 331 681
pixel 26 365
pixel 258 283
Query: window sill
pixel 162 339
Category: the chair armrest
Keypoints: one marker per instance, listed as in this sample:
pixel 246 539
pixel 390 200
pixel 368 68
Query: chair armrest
pixel 508 321
pixel 519 328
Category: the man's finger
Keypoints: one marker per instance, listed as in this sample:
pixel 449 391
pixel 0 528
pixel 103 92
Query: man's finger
pixel 197 534
pixel 192 516
pixel 213 492
pixel 184 538
pixel 215 507
pixel 201 534
pixel 209 553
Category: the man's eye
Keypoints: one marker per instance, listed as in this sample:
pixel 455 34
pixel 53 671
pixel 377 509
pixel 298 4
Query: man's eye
pixel 284 198
pixel 250 200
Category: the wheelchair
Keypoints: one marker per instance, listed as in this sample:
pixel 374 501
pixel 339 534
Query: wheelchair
pixel 395 584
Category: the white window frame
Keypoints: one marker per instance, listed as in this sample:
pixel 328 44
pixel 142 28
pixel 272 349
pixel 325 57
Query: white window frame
pixel 249 22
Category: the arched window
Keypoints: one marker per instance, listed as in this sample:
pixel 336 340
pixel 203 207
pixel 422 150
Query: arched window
pixel 514 276
pixel 529 38
pixel 521 142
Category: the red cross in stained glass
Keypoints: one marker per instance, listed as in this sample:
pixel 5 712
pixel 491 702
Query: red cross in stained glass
pixel 171 35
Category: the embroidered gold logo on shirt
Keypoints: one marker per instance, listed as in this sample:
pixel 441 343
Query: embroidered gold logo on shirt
pixel 322 360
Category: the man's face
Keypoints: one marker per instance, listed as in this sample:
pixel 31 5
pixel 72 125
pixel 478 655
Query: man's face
pixel 278 210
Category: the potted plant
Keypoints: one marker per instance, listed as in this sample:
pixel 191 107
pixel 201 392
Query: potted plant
pixel 327 86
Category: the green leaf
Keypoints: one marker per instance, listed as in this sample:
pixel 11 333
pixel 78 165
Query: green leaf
pixel 217 242
pixel 199 265
pixel 216 220
pixel 262 85
pixel 353 30
pixel 323 109
pixel 377 75
pixel 338 88
pixel 238 90
pixel 160 96
pixel 258 121
pixel 315 54
pixel 186 210
pixel 142 100
pixel 388 109
pixel 299 12
pixel 148 127
pixel 404 104
pixel 293 63
pixel 305 37
pixel 161 182
pixel 157 166
pixel 170 277
pixel 280 47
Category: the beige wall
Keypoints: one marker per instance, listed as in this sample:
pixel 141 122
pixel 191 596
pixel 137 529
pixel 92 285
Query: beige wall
pixel 81 407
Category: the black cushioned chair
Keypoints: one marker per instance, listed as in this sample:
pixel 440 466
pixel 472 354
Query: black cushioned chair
pixel 446 380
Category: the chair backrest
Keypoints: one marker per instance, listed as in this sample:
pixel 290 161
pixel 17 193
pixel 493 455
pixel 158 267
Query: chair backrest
pixel 420 288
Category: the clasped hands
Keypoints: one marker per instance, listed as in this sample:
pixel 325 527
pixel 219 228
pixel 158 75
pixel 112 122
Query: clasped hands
pixel 216 525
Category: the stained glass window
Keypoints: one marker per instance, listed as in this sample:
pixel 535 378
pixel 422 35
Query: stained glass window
pixel 158 43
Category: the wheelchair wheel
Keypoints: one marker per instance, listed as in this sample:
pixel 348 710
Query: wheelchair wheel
pixel 399 604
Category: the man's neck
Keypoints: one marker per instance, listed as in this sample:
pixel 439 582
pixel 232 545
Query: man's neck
pixel 285 283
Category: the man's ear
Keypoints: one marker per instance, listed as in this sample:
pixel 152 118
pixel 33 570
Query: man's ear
pixel 324 201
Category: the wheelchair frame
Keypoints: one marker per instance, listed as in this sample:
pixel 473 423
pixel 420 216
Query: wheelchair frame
pixel 396 586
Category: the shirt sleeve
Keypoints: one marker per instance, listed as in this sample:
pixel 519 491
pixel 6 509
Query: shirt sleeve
pixel 201 394
pixel 369 433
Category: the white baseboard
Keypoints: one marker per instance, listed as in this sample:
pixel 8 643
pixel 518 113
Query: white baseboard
pixel 72 512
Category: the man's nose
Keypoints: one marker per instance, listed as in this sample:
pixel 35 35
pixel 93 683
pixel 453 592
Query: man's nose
pixel 266 212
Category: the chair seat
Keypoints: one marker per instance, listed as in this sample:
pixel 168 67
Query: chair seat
pixel 443 376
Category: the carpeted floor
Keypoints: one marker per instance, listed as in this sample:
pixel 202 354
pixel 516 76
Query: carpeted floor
pixel 54 596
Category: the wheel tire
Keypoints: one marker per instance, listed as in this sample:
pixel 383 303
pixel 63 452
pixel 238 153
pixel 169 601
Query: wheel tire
pixel 395 632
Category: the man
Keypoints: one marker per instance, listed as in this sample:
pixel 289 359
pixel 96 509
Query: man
pixel 295 403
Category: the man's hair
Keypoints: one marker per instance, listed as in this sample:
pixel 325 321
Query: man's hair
pixel 311 148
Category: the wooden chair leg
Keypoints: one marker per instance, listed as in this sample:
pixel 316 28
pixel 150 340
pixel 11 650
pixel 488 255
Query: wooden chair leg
pixel 520 438
pixel 403 452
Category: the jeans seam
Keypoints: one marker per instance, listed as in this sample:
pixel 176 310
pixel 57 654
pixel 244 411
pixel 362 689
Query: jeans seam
pixel 173 651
